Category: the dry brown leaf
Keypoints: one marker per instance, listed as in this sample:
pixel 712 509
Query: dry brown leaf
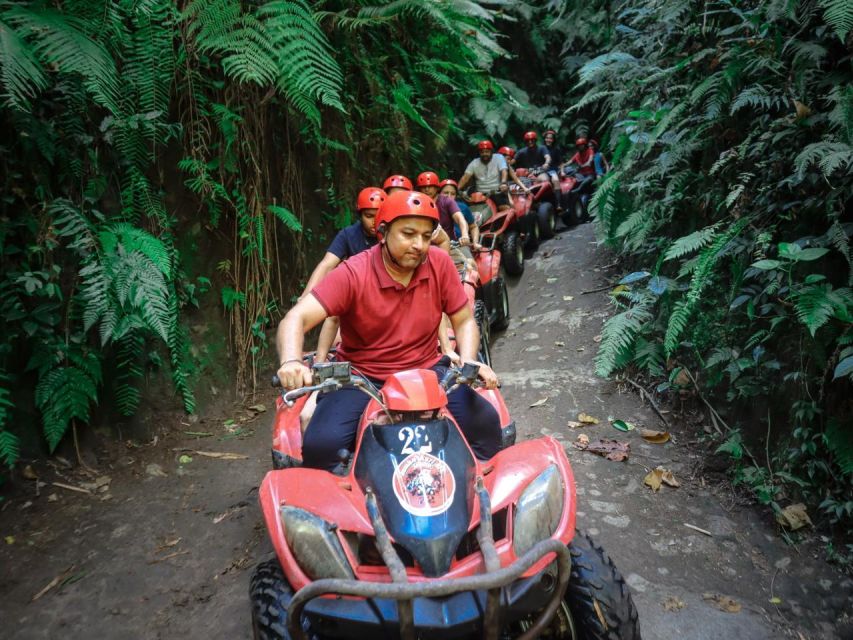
pixel 723 603
pixel 681 378
pixel 658 476
pixel 609 449
pixel 803 111
pixel 29 473
pixel 673 603
pixel 258 408
pixel 794 517
pixel 539 402
pixel 573 424
pixel 587 419
pixel 655 437
pixel 597 338
pixel 222 455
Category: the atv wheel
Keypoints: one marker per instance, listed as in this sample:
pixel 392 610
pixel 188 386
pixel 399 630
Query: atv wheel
pixel 597 596
pixel 584 203
pixel 531 242
pixel 481 317
pixel 547 219
pixel 513 254
pixel 500 302
pixel 270 595
pixel 573 213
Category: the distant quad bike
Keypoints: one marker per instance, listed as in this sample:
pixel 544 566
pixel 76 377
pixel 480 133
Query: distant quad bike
pixel 575 193
pixel 543 202
pixel 413 537
pixel 502 230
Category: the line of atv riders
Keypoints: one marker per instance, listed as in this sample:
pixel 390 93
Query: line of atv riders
pixel 504 204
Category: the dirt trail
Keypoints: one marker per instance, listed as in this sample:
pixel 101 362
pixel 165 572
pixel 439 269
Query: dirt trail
pixel 167 549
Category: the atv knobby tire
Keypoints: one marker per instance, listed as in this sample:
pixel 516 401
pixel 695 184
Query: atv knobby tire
pixel 595 580
pixel 547 219
pixel 499 301
pixel 531 241
pixel 513 254
pixel 481 317
pixel 573 212
pixel 270 595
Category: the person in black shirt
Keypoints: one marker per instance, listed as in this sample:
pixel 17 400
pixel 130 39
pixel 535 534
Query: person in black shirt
pixel 558 156
pixel 533 155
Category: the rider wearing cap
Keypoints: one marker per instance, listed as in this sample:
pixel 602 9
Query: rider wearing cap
pixel 557 157
pixel 509 155
pixel 533 155
pixel 489 172
pixel 374 294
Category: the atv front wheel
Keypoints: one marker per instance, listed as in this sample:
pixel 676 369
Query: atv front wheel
pixel 531 242
pixel 500 304
pixel 513 254
pixel 573 213
pixel 547 219
pixel 270 595
pixel 481 317
pixel 597 596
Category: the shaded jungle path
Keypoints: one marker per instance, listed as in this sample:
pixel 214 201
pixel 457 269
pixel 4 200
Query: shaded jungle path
pixel 165 550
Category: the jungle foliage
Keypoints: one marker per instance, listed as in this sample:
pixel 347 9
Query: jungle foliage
pixel 730 126
pixel 138 136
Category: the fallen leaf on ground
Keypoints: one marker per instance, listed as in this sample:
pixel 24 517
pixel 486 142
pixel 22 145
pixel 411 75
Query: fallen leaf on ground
pixel 609 449
pixel 29 473
pixel 167 544
pixel 568 298
pixel 775 600
pixel 185 459
pixel 540 402
pixel 793 517
pixel 10 539
pixel 655 437
pixel 258 408
pixel 723 603
pixel 658 476
pixel 621 425
pixel 573 424
pixel 224 455
pixel 52 497
pixel 619 289
pixel 559 343
pixel 582 417
pixel 673 603
pixel 551 280
pixel 681 378
pixel 597 338
pixel 582 441
pixel 155 470
pixel 100 485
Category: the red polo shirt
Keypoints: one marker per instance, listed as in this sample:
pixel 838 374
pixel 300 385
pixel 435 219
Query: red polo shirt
pixel 386 327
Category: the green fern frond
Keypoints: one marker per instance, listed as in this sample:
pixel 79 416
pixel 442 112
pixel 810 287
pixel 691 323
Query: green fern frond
pixel 135 239
pixel 63 394
pixel 758 97
pixel 604 64
pixel 829 156
pixel 128 372
pixel 817 303
pixel 841 116
pixel 21 75
pixel 287 217
pixel 9 443
pixel 839 15
pixel 617 339
pixel 692 242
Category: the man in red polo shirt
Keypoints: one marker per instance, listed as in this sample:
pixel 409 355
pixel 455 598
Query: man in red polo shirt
pixel 389 299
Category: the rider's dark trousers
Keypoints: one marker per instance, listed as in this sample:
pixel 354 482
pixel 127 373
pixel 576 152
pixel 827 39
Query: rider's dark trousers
pixel 335 422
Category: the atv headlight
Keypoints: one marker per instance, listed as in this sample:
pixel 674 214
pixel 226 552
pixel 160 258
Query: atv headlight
pixel 314 544
pixel 538 511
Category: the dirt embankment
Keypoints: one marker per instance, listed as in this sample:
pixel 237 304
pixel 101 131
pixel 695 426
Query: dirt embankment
pixel 162 543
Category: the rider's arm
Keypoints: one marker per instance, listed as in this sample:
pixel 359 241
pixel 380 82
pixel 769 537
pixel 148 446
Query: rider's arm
pixel 460 220
pixel 440 239
pixel 329 262
pixel 547 161
pixel 463 182
pixel 444 340
pixel 467 342
pixel 290 337
pixel 328 333
pixel 516 179
pixel 504 186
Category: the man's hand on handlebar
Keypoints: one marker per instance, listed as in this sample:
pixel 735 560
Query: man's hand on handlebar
pixel 488 376
pixel 504 187
pixel 293 374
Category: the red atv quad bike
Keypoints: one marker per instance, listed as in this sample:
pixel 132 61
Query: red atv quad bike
pixel 413 537
pixel 543 201
pixel 472 283
pixel 502 230
pixel 575 192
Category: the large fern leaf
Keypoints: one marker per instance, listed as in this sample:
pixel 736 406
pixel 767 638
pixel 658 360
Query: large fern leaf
pixel 617 339
pixel 21 75
pixel 839 15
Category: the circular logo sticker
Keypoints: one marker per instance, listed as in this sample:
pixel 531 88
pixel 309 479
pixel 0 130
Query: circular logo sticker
pixel 424 485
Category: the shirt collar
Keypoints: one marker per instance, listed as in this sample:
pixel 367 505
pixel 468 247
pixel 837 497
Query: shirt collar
pixel 385 279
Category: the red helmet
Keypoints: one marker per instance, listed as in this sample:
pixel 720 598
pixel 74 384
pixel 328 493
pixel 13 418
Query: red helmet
pixel 370 198
pixel 428 179
pixel 401 204
pixel 551 131
pixel 580 141
pixel 448 181
pixel 506 151
pixel 397 181
pixel 593 143
pixel 485 144
pixel 531 135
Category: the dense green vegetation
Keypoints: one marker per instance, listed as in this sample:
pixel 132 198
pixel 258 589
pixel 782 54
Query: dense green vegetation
pixel 159 157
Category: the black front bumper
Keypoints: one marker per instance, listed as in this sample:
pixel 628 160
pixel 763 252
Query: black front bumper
pixel 456 616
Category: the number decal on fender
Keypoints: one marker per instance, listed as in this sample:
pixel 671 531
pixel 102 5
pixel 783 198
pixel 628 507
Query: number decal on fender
pixel 407 435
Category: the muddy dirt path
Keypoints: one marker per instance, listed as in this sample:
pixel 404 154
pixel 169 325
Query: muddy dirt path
pixel 165 548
